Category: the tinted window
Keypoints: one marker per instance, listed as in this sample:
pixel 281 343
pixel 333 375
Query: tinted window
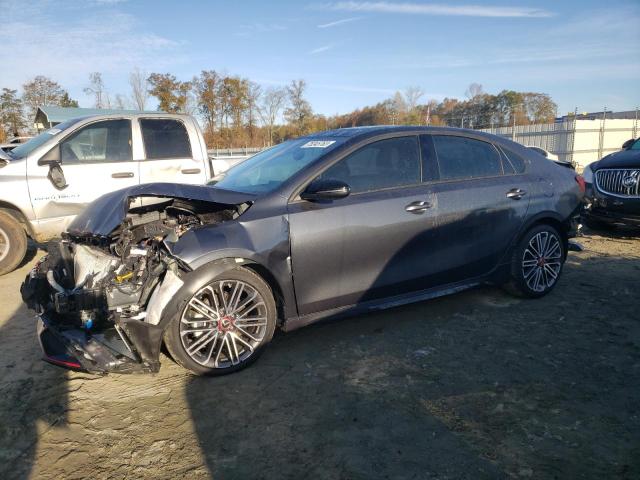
pixel 387 163
pixel 165 139
pixel 429 160
pixel 108 141
pixel 515 160
pixel 461 157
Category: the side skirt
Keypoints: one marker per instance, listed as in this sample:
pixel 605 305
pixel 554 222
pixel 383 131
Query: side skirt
pixel 294 323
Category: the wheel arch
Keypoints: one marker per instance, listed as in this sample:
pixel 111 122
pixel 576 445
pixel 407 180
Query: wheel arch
pixel 20 217
pixel 552 219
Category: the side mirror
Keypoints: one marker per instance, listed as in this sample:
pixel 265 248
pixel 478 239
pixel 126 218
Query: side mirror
pixel 56 176
pixel 52 157
pixel 319 190
pixel 626 145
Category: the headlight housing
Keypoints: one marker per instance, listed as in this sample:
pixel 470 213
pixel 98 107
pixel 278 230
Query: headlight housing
pixel 587 174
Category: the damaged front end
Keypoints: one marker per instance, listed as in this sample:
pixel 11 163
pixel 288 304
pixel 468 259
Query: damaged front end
pixel 101 291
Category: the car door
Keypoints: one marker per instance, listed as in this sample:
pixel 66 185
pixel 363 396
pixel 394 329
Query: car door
pixel 482 203
pixel 95 159
pixel 371 244
pixel 169 156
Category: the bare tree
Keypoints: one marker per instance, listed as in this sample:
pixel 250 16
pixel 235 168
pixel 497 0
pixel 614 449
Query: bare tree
pixel 138 83
pixel 473 91
pixel 97 90
pixel 412 96
pixel 271 105
pixel 120 102
pixel 299 112
pixel 254 91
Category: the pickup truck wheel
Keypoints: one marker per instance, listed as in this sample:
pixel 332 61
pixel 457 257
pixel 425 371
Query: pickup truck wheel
pixel 13 243
pixel 225 325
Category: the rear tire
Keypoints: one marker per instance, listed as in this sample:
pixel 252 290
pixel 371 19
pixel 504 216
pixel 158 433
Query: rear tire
pixel 225 325
pixel 537 262
pixel 13 243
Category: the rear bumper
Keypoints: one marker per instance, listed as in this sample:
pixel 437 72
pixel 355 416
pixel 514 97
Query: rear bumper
pixel 78 349
pixel 607 216
pixel 611 209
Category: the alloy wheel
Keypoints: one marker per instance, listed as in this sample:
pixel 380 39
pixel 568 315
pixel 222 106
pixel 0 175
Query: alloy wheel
pixel 542 261
pixel 223 324
pixel 4 244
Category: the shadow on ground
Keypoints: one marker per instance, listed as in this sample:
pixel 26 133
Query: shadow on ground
pixel 477 385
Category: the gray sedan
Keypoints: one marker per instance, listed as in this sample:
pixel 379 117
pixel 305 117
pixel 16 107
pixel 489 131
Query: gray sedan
pixel 332 224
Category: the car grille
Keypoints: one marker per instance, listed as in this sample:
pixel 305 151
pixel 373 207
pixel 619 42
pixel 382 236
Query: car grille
pixel 621 182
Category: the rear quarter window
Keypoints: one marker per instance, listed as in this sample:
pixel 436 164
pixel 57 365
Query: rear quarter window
pixel 518 163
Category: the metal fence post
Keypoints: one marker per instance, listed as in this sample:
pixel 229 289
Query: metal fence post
pixel 572 132
pixel 635 125
pixel 601 141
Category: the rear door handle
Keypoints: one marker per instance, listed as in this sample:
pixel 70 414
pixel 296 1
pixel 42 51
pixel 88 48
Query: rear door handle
pixel 190 171
pixel 122 175
pixel 516 193
pixel 418 207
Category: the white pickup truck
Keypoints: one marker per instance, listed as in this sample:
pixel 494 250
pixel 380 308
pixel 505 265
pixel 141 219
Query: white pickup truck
pixel 47 181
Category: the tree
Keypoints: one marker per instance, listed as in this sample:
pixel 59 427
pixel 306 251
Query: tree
pixel 271 105
pixel 97 90
pixel 139 93
pixel 171 93
pixel 11 118
pixel 412 96
pixel 67 101
pixel 120 102
pixel 473 91
pixel 206 88
pixel 42 91
pixel 299 111
pixel 254 91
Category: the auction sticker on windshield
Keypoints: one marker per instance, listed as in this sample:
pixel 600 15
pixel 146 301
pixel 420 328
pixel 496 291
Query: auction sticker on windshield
pixel 318 144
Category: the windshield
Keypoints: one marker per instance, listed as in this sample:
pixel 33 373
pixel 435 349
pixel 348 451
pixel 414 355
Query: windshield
pixel 28 147
pixel 269 169
pixel 636 145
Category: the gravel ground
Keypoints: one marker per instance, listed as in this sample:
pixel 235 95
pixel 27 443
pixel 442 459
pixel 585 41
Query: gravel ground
pixel 475 385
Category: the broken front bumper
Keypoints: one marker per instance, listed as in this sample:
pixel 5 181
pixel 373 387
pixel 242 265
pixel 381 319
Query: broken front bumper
pixel 108 351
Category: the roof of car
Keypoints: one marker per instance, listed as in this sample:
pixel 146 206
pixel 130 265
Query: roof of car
pixel 365 132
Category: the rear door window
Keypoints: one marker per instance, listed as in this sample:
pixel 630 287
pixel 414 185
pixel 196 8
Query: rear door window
pixel 387 163
pixel 165 138
pixel 462 157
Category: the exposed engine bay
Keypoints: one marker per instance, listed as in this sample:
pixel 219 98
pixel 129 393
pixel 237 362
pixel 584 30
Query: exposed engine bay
pixel 100 298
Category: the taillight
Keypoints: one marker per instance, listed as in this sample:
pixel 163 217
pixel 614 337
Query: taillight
pixel 581 183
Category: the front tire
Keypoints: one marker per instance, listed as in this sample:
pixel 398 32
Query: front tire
pixel 13 243
pixel 537 262
pixel 225 325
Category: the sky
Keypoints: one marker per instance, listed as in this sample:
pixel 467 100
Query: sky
pixel 585 54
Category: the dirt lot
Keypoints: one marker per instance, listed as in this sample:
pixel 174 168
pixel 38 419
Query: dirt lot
pixel 475 385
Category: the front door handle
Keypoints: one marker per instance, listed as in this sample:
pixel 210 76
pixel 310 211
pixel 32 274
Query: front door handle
pixel 418 207
pixel 122 175
pixel 516 193
pixel 190 171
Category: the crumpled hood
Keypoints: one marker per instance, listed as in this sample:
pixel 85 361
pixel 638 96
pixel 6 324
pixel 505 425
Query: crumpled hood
pixel 103 215
pixel 623 159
